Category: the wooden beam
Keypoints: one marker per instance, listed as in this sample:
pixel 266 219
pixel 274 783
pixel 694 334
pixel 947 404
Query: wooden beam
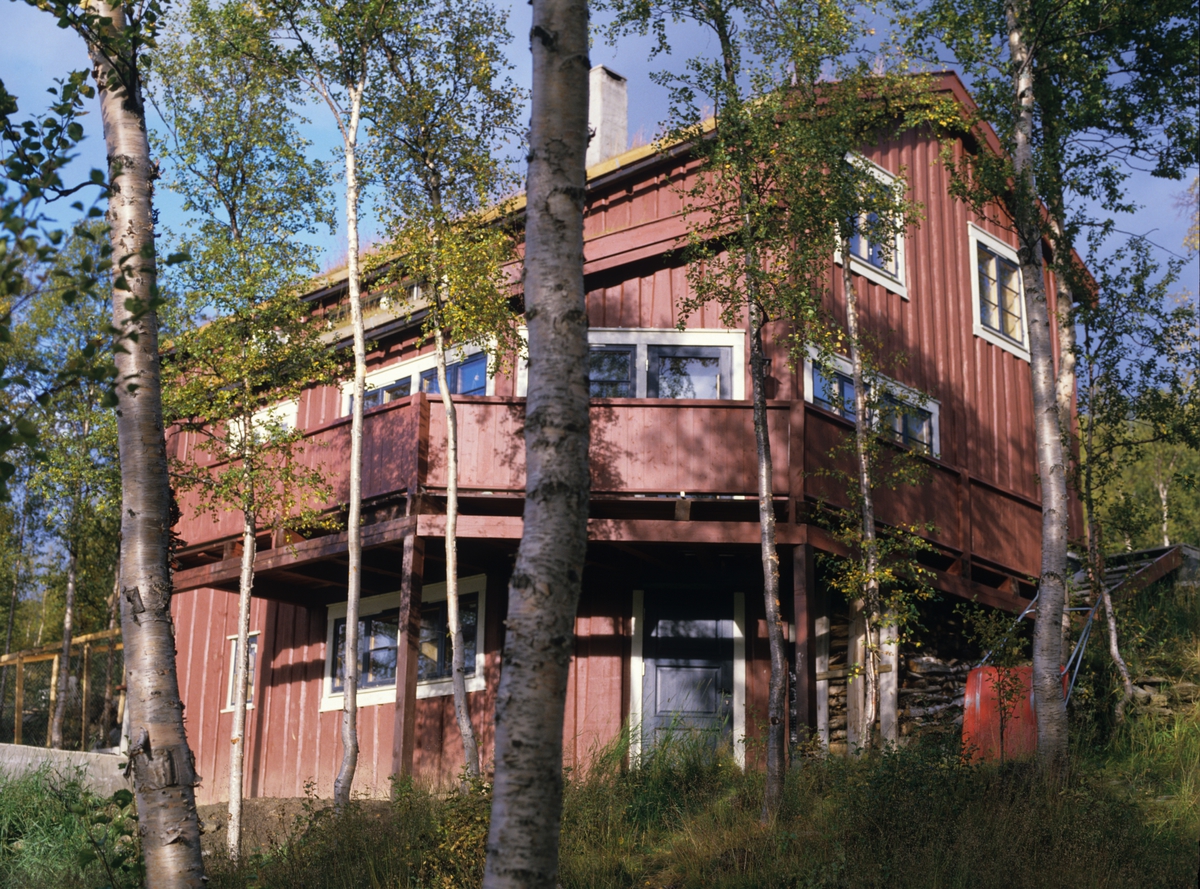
pixel 305 552
pixel 404 728
pixel 804 589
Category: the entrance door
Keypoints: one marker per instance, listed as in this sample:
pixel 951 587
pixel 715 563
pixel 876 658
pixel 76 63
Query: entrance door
pixel 688 655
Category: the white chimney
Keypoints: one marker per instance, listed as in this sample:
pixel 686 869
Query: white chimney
pixel 608 114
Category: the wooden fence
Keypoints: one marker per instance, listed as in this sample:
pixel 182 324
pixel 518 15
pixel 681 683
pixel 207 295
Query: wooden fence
pixel 95 690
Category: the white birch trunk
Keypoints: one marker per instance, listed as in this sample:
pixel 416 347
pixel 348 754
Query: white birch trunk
pixel 522 846
pixel 457 656
pixel 1052 468
pixel 64 672
pixel 241 669
pixel 160 760
pixel 345 777
pixel 862 465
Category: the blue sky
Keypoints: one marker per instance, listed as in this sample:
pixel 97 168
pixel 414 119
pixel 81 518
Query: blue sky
pixel 36 51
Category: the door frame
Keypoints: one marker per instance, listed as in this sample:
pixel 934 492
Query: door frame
pixel 637 671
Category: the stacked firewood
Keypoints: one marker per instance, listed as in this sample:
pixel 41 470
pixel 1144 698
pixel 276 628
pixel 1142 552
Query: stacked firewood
pixel 931 692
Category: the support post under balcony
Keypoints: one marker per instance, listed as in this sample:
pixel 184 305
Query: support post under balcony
pixel 407 654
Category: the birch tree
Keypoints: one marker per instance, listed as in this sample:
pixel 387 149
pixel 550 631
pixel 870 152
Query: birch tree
pixel 441 126
pixel 1079 94
pixel 160 760
pixel 234 155
pixel 522 845
pixel 331 48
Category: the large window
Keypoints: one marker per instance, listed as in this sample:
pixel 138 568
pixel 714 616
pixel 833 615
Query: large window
pixel 998 301
pixel 435 649
pixel 689 372
pixel 467 374
pixel 999 293
pixel 649 363
pixel 907 425
pixel 611 371
pixel 376 661
pixel 835 392
pixel 467 377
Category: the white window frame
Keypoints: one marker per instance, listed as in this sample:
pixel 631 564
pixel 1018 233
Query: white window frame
pixel 897 283
pixel 413 368
pixel 905 394
pixel 979 236
pixel 642 338
pixel 429 688
pixel 232 640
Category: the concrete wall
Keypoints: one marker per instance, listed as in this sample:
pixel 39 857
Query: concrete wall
pixel 101 772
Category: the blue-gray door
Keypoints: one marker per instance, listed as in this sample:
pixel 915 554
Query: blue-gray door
pixel 687 687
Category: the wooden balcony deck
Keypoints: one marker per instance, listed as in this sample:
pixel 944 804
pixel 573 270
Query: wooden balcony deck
pixel 662 470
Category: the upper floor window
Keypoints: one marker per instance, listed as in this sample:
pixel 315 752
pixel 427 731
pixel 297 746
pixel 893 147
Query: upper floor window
pixel 999 293
pixel 901 414
pixel 466 377
pixel 881 255
pixel 467 374
pixel 998 300
pixel 880 261
pixel 684 364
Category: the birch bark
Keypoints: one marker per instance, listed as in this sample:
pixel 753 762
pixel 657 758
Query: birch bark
pixel 1051 709
pixel 160 760
pixel 345 776
pixel 64 672
pixel 862 465
pixel 237 755
pixel 462 713
pixel 522 846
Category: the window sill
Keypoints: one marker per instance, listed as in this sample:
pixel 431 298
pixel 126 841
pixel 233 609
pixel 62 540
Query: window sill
pixel 998 339
pixel 231 709
pixel 876 276
pixel 373 697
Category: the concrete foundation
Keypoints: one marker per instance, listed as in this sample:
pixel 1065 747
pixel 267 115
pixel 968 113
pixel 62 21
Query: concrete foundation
pixel 101 772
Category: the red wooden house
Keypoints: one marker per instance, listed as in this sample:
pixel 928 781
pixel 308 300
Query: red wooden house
pixel 670 624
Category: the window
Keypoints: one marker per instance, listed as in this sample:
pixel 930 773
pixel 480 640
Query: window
pixel 467 377
pixel 385 394
pixel 376 650
pixel 998 300
pixel 610 372
pixel 689 372
pixel 877 254
pixel 907 425
pixel 379 635
pixel 999 293
pixel 834 393
pixel 466 373
pixel 250 671
pixel 905 416
pixel 435 650
pixel 879 261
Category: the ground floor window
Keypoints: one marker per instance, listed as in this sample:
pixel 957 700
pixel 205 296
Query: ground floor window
pixel 379 636
pixel 231 686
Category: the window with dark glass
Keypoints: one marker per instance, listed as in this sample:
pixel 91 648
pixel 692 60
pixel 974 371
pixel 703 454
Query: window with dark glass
pixel 689 372
pixel 386 394
pixel 872 250
pixel 907 425
pixel 834 392
pixel 466 377
pixel 376 661
pixel 434 661
pixel 610 372
pixel 999 294
pixel 250 668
